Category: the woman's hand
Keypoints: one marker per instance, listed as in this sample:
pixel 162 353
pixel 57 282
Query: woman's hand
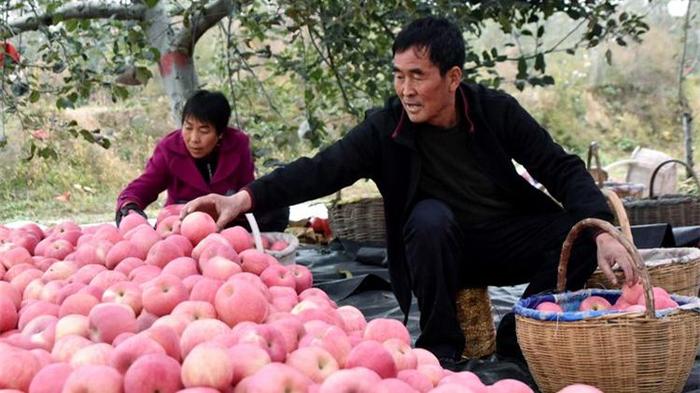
pixel 222 208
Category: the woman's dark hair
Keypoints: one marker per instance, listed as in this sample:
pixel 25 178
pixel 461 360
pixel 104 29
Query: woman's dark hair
pixel 440 37
pixel 208 106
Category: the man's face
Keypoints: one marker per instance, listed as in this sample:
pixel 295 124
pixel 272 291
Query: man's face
pixel 200 137
pixel 427 96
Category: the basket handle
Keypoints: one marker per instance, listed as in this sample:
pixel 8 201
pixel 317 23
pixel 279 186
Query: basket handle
pixel 256 231
pixel 593 153
pixel 619 210
pixel 656 171
pixel 638 265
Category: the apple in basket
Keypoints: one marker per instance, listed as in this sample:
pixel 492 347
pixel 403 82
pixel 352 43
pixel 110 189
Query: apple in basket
pixel 630 294
pixel 662 299
pixel 594 303
pixel 279 245
pixel 549 307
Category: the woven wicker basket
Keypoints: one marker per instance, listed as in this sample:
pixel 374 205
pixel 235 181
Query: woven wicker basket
pixel 617 352
pixel 677 270
pixel 360 220
pixel 677 210
pixel 476 321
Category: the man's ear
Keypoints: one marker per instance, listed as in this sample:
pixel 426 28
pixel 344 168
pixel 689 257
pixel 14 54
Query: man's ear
pixel 454 75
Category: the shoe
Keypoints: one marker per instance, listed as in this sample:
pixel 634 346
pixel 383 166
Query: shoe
pixel 507 346
pixel 453 364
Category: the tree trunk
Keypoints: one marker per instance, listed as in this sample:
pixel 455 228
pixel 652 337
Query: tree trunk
pixel 179 80
pixel 175 64
pixel 176 46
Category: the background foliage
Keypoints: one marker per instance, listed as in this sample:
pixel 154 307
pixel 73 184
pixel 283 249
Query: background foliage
pixel 316 66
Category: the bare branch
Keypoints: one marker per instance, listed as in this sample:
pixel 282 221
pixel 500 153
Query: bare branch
pixel 202 21
pixel 88 9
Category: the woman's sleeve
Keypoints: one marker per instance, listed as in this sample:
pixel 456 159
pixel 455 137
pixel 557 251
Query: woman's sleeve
pixel 144 189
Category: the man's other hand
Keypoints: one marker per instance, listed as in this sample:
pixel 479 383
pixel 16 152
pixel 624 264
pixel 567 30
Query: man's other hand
pixel 224 209
pixel 611 252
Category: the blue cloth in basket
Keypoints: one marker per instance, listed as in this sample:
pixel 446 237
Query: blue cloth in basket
pixel 570 302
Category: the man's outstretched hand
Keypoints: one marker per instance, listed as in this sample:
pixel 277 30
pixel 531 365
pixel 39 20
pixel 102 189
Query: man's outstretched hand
pixel 222 208
pixel 610 252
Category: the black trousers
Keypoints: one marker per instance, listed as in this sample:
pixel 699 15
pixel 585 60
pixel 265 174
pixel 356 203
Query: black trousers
pixel 444 256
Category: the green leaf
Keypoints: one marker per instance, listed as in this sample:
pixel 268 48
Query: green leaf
pixel 143 74
pixel 608 56
pixel 71 24
pixel 540 31
pixel 34 96
pixel 47 153
pixel 539 62
pixel 87 135
pixel 522 68
pixel 63 103
pixel 32 151
pixel 120 92
pixel 151 3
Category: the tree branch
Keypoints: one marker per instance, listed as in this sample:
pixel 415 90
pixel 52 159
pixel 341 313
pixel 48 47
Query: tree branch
pixel 88 9
pixel 201 21
pixel 328 59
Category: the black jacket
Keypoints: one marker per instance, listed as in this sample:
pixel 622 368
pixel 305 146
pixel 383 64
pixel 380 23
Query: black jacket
pixel 382 148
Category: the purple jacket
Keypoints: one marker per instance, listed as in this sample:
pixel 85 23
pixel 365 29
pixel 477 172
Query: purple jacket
pixel 172 168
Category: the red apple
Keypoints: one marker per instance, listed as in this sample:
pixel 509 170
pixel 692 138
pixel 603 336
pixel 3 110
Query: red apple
pixel 237 301
pixel 161 253
pixel 314 362
pixel 95 354
pixel 207 365
pixel 374 356
pixel 247 359
pixel 382 329
pixel 51 378
pixel 163 293
pixel 108 320
pixel 129 350
pixel 549 307
pixel 302 277
pixel 594 303
pixel 416 380
pixel 278 377
pixel 391 385
pixel 153 373
pixel 94 379
pixel 200 331
pixel 239 238
pixel 353 380
pixel 124 292
pixel 17 367
pixel 196 226
pixel 254 261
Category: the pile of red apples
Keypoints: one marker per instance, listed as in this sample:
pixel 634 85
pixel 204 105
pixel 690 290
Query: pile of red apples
pixel 632 299
pixel 184 308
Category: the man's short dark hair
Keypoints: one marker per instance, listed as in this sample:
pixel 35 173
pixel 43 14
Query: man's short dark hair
pixel 440 37
pixel 210 107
